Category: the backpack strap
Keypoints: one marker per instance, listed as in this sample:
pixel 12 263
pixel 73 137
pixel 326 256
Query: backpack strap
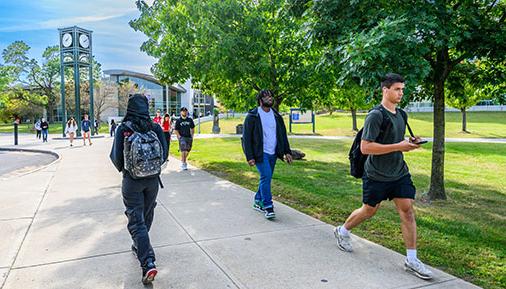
pixel 129 125
pixel 405 117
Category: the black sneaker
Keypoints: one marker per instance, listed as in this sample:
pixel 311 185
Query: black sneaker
pixel 134 250
pixel 149 272
pixel 269 213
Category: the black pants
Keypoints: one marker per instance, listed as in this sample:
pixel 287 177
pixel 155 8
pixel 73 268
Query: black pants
pixel 38 134
pixel 167 138
pixel 139 197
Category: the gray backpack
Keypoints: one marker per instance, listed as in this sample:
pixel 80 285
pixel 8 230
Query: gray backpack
pixel 142 153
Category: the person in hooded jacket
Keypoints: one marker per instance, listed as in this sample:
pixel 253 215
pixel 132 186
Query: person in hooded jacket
pixel 139 195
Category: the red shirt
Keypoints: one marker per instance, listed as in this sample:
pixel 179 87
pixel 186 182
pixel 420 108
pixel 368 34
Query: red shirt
pixel 158 120
pixel 166 125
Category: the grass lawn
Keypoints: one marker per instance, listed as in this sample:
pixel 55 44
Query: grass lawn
pixel 464 236
pixel 480 124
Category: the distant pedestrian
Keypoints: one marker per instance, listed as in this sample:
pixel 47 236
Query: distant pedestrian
pixel 166 126
pixel 141 169
pixel 386 175
pixel 113 127
pixel 44 126
pixel 185 129
pixel 70 129
pixel 158 118
pixel 37 129
pixel 85 129
pixel 264 141
pixel 96 125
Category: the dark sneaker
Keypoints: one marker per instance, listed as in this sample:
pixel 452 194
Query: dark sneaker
pixel 134 250
pixel 269 213
pixel 418 269
pixel 258 206
pixel 148 273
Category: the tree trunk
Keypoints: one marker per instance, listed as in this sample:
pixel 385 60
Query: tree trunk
pixel 354 119
pixel 437 189
pixel 464 119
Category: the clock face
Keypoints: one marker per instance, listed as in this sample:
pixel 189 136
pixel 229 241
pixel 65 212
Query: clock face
pixel 66 40
pixel 84 41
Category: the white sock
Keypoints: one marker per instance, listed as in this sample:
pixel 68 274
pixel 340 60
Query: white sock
pixel 411 254
pixel 344 231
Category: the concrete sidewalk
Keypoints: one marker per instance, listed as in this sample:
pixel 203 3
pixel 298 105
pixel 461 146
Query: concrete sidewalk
pixel 64 227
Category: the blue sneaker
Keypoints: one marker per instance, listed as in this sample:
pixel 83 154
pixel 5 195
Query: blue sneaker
pixel 258 206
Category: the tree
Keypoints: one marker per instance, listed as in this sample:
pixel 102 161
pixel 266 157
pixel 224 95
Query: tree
pixel 15 56
pixel 462 91
pixel 351 97
pixel 432 37
pixel 232 48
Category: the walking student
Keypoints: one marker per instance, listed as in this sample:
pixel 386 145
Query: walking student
pixel 70 129
pixel 158 118
pixel 265 140
pixel 37 128
pixel 166 127
pixel 386 175
pixel 85 129
pixel 141 168
pixel 44 126
pixel 113 127
pixel 185 128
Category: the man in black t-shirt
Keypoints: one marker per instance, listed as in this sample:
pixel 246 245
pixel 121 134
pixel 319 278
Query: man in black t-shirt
pixel 185 128
pixel 386 175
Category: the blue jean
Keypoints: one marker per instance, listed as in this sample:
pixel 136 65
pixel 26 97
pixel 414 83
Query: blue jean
pixel 44 135
pixel 139 197
pixel 266 170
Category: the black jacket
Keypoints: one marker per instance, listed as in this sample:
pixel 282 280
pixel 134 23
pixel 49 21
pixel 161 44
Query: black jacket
pixel 137 108
pixel 252 137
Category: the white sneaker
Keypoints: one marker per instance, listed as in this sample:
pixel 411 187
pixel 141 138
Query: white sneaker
pixel 343 241
pixel 184 166
pixel 418 269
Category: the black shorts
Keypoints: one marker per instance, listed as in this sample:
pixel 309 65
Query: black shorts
pixel 374 192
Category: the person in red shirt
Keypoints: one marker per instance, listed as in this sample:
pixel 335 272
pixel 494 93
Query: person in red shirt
pixel 166 127
pixel 158 119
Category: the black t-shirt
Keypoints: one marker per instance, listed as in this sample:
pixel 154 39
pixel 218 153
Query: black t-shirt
pixel 388 167
pixel 44 125
pixel 184 126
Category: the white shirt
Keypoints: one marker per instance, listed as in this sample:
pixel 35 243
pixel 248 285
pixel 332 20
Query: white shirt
pixel 269 129
pixel 70 129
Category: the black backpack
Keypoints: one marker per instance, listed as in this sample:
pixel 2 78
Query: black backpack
pixel 357 159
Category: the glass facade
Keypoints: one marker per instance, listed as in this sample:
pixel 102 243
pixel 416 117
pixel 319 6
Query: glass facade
pixel 154 91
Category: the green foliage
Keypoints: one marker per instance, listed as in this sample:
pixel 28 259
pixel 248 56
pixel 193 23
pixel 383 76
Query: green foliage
pixel 15 55
pixel 20 102
pixel 231 48
pixel 462 87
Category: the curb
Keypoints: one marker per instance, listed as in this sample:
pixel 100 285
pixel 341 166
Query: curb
pixel 55 154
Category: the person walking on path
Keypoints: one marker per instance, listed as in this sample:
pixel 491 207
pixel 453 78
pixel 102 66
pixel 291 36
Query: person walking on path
pixel 44 126
pixel 265 140
pixel 386 175
pixel 85 129
pixel 139 194
pixel 71 129
pixel 96 125
pixel 185 129
pixel 166 126
pixel 158 119
pixel 113 127
pixel 37 128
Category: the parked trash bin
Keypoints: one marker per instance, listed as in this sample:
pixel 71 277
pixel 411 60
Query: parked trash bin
pixel 238 129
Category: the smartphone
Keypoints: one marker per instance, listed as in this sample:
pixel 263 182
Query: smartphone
pixel 421 142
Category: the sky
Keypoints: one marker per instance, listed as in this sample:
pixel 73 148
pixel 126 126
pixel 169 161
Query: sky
pixel 115 44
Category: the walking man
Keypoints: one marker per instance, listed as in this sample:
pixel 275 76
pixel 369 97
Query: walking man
pixel 138 151
pixel 44 126
pixel 386 175
pixel 85 129
pixel 265 140
pixel 185 129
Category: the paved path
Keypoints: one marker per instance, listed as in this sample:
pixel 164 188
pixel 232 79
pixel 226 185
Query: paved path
pixel 63 227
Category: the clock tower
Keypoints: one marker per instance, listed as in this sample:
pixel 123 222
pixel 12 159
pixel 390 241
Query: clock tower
pixel 76 52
